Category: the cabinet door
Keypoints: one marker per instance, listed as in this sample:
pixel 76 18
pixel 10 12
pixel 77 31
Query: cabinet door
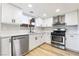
pixel 7 13
pixel 74 18
pixel 71 18
pixel 5 47
pixel 49 22
pixel 33 42
pixel 48 38
pixel 72 42
pixel 69 41
pixel 42 38
pixel 38 22
pixel 17 15
pixel 44 23
pixel 12 15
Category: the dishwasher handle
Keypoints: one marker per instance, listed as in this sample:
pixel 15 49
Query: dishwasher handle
pixel 19 38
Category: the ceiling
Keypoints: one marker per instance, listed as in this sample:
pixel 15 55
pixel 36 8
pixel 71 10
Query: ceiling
pixel 49 8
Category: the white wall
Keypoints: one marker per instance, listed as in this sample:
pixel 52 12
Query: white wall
pixel 0 15
pixel 78 20
pixel 0 25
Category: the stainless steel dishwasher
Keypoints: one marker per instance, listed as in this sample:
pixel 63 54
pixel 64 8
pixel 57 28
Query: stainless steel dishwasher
pixel 19 45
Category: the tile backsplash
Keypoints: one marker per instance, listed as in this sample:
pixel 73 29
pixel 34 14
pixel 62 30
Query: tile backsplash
pixel 12 28
pixel 72 29
pixel 17 28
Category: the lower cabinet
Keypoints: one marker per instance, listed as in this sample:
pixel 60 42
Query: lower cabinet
pixel 33 41
pixel 5 46
pixel 38 39
pixel 47 38
pixel 72 42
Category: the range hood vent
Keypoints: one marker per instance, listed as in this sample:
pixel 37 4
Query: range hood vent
pixel 59 20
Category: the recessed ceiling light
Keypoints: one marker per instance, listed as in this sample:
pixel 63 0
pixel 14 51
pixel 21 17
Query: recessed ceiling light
pixel 57 10
pixel 30 5
pixel 44 14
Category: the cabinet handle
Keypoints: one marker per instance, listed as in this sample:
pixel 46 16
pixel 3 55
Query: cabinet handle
pixel 35 38
pixel 13 20
pixel 71 36
pixel 41 36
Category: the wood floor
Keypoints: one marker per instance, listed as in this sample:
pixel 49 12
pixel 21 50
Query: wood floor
pixel 48 50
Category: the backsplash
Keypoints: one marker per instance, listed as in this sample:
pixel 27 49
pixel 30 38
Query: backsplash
pixel 72 29
pixel 43 29
pixel 17 28
pixel 12 28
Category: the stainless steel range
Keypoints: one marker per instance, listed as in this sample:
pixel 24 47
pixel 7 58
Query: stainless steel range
pixel 58 38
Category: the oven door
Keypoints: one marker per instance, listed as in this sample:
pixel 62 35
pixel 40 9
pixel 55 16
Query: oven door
pixel 58 39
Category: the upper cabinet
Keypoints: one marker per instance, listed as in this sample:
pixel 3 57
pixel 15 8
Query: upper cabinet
pixel 71 18
pixel 38 22
pixel 7 13
pixel 13 15
pixel 44 22
pixel 47 22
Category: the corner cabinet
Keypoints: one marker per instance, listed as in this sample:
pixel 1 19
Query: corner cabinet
pixel 5 46
pixel 71 18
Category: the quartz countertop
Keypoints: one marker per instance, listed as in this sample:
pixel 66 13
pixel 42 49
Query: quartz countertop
pixel 9 34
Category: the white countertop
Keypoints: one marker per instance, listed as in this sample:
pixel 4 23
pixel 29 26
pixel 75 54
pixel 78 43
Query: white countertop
pixel 9 34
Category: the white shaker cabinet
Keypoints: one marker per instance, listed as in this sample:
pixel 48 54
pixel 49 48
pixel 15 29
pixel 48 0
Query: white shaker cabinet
pixel 6 46
pixel 71 18
pixel 38 22
pixel 48 38
pixel 33 41
pixel 72 42
pixel 7 13
pixel 47 22
pixel 13 15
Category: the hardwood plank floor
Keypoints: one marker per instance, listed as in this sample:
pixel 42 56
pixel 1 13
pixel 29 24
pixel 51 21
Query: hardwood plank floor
pixel 48 50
